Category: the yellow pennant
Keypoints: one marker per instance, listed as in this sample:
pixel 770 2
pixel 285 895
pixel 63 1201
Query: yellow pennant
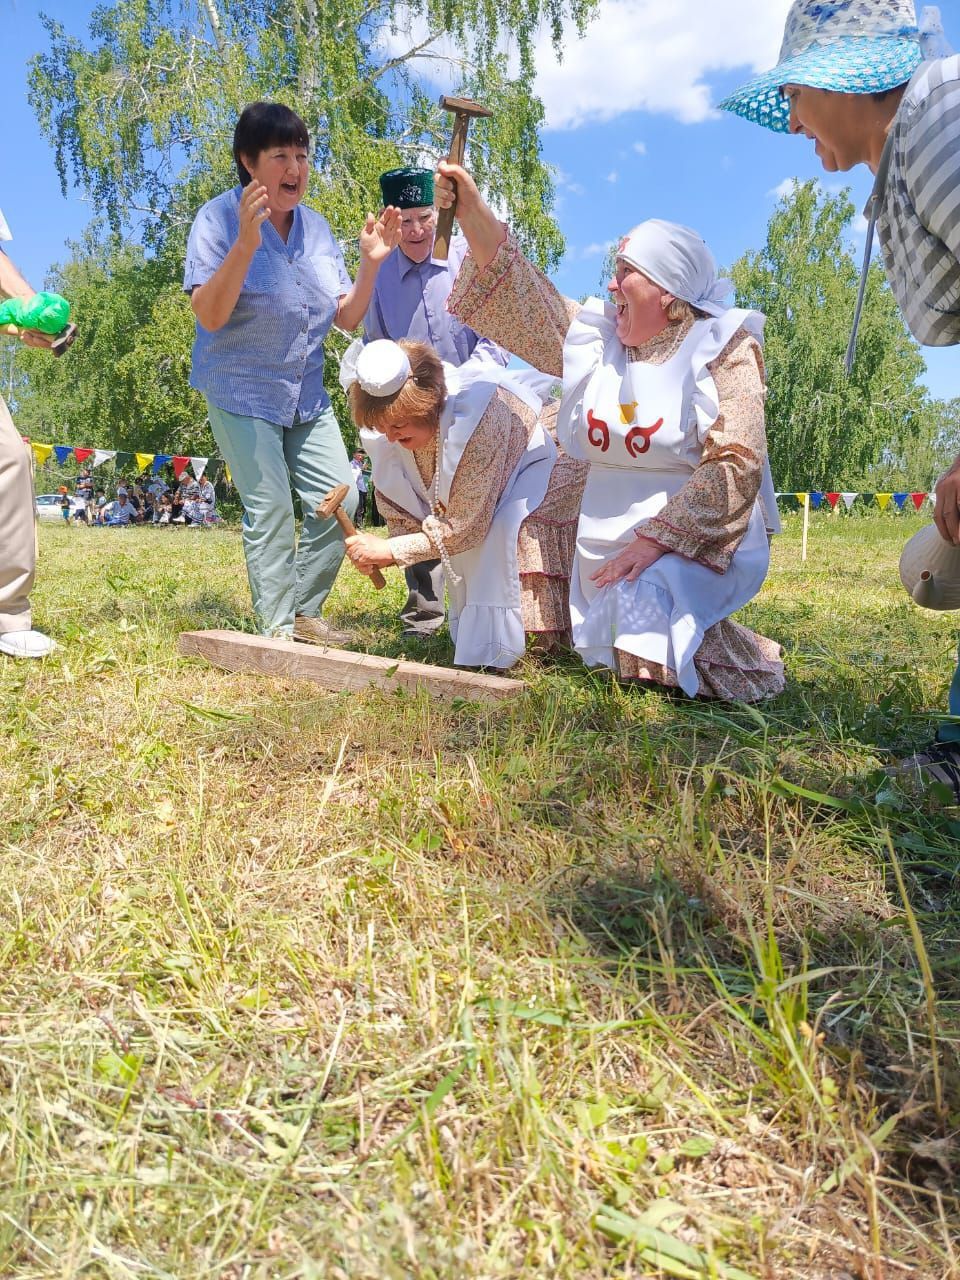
pixel 41 452
pixel 883 500
pixel 627 412
pixel 144 461
pixel 802 498
pixel 226 472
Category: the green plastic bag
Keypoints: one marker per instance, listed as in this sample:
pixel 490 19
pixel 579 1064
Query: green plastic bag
pixel 47 312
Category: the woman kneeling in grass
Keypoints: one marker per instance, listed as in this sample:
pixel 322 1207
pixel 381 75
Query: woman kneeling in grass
pixel 663 397
pixel 465 467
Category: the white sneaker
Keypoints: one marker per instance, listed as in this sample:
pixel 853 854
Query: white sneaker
pixel 26 644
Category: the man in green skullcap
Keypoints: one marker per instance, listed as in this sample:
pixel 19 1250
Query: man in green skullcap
pixel 410 301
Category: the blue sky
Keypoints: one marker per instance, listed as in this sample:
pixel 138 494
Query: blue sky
pixel 631 132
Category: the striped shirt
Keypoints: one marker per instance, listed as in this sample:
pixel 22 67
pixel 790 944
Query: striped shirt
pixel 267 360
pixel 919 218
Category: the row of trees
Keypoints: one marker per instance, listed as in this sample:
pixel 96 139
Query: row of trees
pixel 140 118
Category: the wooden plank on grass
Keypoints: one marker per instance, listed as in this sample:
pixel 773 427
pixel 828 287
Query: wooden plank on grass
pixel 340 668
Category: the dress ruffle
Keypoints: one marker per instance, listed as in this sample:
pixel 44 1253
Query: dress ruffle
pixel 733 663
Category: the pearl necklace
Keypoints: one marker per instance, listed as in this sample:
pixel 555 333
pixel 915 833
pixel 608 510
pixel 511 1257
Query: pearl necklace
pixel 432 526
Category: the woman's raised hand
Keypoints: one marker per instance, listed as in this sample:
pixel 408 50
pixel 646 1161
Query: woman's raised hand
pixel 254 212
pixel 380 235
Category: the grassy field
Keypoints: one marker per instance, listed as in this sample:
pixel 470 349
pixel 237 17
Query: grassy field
pixel 595 983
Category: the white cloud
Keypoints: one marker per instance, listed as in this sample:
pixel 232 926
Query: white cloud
pixel 634 55
pixel 783 189
pixel 599 249
pixel 613 176
pixel 640 148
pixel 565 182
pixel 638 55
pixel 860 226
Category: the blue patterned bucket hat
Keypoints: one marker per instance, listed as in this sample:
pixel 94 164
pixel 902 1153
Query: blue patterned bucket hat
pixel 848 46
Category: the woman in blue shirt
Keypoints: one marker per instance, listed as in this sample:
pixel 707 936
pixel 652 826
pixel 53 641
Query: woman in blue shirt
pixel 266 281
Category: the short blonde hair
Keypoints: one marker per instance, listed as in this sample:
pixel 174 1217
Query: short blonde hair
pixel 680 310
pixel 420 399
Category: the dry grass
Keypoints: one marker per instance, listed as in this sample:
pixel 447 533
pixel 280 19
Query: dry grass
pixel 596 983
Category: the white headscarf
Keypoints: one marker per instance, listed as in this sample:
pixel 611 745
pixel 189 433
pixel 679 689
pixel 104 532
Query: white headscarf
pixel 678 260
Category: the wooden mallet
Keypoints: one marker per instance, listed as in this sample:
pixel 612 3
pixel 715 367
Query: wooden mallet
pixel 60 343
pixel 464 109
pixel 330 506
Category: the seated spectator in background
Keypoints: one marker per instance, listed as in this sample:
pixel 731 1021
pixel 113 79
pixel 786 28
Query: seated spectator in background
pixel 123 512
pixel 158 487
pixel 163 510
pixel 98 506
pixel 176 505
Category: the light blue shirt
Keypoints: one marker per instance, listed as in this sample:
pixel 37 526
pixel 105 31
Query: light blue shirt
pixel 410 301
pixel 267 360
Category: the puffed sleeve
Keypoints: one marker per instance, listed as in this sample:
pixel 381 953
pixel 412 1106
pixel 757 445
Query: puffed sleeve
pixel 513 303
pixel 487 463
pixel 707 519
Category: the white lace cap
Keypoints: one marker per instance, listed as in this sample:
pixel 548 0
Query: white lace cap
pixel 382 367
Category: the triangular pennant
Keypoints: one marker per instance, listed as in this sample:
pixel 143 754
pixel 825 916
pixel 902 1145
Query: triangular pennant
pixel 123 460
pixel 41 452
pixel 849 499
pixel 833 499
pixel 199 465
pixel 143 461
pixel 160 460
pixel 63 452
pixel 179 466
pixel 802 498
pixel 100 456
pixel 883 500
pixel 816 500
pixel 918 499
pixel 933 499
pixel 900 499
pixel 82 455
pixel 226 472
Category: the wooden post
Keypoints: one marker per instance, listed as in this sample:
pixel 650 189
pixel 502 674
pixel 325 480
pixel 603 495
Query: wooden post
pixel 341 669
pixel 806 528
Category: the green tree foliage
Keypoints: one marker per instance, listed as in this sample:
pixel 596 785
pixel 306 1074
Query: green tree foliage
pixel 826 430
pixel 141 117
pixel 918 460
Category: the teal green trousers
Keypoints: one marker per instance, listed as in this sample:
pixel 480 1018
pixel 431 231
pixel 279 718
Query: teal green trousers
pixel 287 576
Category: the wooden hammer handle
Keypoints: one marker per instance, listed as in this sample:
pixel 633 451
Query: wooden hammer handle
pixel 458 150
pixel 350 531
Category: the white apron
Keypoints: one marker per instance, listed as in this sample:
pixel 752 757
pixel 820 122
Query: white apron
pixel 642 428
pixel 485 617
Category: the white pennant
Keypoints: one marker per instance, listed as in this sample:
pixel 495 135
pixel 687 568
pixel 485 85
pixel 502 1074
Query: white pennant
pixel 199 466
pixel 849 499
pixel 102 455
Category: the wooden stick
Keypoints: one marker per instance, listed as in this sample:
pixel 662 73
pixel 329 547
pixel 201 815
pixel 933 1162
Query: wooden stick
pixel 350 531
pixel 340 669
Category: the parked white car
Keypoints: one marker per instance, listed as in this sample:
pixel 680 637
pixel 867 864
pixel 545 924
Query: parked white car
pixel 48 505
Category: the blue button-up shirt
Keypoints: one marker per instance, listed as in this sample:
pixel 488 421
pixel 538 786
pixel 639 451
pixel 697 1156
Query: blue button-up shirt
pixel 410 301
pixel 267 360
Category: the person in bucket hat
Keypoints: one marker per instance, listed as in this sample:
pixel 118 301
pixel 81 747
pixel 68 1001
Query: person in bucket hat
pixel 410 301
pixel 869 84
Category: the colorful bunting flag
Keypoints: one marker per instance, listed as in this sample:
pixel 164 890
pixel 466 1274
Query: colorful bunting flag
pixel 802 498
pixel 833 499
pixel 41 452
pixel 226 472
pixel 816 500
pixel 82 455
pixel 199 465
pixel 143 460
pixel 100 456
pixel 63 452
pixel 849 499
pixel 179 465
pixel 883 500
pixel 900 499
pixel 123 460
pixel 160 460
pixel 918 499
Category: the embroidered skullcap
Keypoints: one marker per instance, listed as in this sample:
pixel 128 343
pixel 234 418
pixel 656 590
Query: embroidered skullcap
pixel 382 367
pixel 407 188
pixel 846 46
pixel 678 260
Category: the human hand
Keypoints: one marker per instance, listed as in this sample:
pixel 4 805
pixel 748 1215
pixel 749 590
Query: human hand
pixel 946 514
pixel 380 235
pixel 628 564
pixel 34 338
pixel 367 552
pixel 254 211
pixel 453 185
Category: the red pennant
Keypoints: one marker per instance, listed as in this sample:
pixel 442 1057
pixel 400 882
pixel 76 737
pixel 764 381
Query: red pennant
pixel 82 455
pixel 918 499
pixel 833 499
pixel 179 466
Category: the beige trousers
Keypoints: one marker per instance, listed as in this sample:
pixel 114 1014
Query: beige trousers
pixel 18 526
